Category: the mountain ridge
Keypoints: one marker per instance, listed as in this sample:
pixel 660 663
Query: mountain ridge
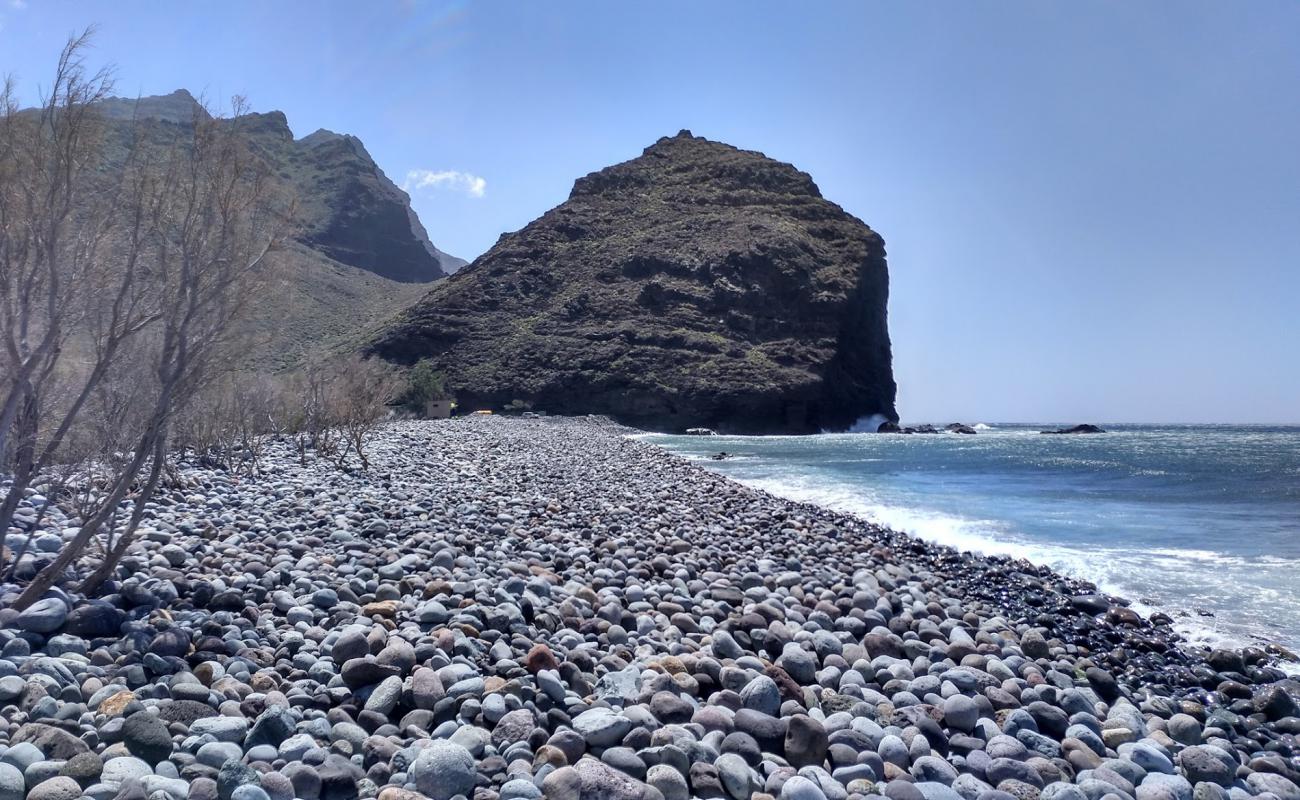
pixel 352 212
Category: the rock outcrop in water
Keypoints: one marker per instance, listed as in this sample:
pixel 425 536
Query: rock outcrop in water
pixel 695 285
pixel 1084 428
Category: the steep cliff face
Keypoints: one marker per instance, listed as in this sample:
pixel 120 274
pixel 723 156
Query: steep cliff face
pixel 695 285
pixel 361 253
pixel 349 211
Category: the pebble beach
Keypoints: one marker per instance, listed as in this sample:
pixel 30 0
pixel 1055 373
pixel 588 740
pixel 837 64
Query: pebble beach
pixel 510 609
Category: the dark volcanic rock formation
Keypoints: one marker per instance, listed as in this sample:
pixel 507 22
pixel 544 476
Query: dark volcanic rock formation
pixel 1084 428
pixel 696 285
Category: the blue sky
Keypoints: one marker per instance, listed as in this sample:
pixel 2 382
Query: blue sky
pixel 1092 210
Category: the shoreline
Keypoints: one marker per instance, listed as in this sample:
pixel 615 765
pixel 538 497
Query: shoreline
pixel 506 608
pixel 981 531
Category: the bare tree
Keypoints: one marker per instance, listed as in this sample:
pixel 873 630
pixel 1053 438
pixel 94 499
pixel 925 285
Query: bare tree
pixel 55 217
pixel 207 219
pixel 360 391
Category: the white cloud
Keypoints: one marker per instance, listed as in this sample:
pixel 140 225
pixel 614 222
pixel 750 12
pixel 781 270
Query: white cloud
pixel 470 184
pixel 18 5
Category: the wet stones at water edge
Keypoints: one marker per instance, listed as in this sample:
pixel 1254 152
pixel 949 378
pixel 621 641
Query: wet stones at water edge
pixel 518 609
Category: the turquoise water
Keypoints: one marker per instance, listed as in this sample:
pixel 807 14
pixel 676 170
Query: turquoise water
pixel 1202 522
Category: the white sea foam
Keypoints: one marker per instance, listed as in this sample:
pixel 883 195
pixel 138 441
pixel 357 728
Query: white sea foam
pixel 1102 566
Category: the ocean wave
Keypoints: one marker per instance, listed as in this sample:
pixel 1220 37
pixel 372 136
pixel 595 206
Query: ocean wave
pixel 1117 571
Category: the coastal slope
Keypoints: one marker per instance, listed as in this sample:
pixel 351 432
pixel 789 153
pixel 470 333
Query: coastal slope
pixel 695 285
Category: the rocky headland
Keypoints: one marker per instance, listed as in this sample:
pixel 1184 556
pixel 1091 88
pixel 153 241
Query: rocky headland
pixel 697 285
pixel 514 609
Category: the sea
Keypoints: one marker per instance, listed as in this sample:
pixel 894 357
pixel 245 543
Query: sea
pixel 1199 521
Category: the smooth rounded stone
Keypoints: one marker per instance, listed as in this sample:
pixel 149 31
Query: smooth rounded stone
pixel 625 759
pixel 53 743
pixel 1209 791
pixel 1209 764
pixel 1061 790
pixel 520 789
pixel 970 787
pixel 271 727
pixel 443 770
pixel 360 672
pixel 737 778
pixel 671 708
pixel 12 785
pixel 768 731
pixel 1033 645
pixel 45 769
pixel 933 769
pixel 761 694
pixel 670 782
pixel 931 790
pixel 249 792
pixel 514 726
pixel 385 696
pixel 22 755
pixel 1281 786
pixel 85 768
pixel 893 751
pixel 305 780
pixel 1002 746
pixel 57 788
pixel 224 729
pixel 1159 786
pixel 599 780
pixel 1275 703
pixel 261 752
pixel 1004 769
pixel 800 788
pixel 173 788
pixel 601 727
pixel 296 746
pixel 564 783
pixel 11 688
pixel 43 616
pixel 146 736
pixel 170 642
pixel 725 645
pixel 203 789
pixel 339 777
pixel 1147 757
pixel 215 753
pixel 117 771
pixel 233 775
pixel 806 741
pixel 426 688
pixel 960 712
pixel 800 664
pixel 1184 729
pixel 472 738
